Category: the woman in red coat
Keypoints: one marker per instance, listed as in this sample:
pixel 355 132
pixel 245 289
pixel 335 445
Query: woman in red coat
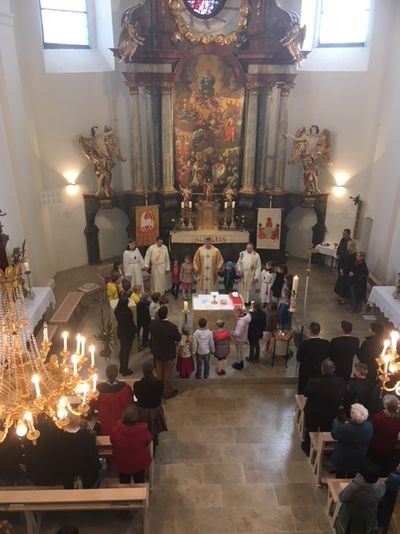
pixel 131 440
pixel 382 447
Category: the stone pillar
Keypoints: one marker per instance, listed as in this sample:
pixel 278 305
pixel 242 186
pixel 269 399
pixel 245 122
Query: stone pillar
pixel 281 141
pixel 151 153
pixel 167 136
pixel 136 140
pixel 250 143
pixel 264 163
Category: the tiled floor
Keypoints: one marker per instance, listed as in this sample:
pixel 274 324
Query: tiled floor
pixel 231 461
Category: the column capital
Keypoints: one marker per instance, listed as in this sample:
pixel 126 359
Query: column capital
pixel 132 86
pixel 166 86
pixel 285 88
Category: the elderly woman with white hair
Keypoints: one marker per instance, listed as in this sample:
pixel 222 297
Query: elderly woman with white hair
pixel 382 449
pixel 353 437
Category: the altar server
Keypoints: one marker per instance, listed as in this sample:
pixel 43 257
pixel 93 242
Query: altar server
pixel 249 269
pixel 133 264
pixel 207 262
pixel 158 262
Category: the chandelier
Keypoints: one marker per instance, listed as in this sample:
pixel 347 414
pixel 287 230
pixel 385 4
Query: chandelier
pixel 389 364
pixel 31 381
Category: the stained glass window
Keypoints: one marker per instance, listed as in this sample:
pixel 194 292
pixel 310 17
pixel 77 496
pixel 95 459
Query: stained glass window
pixel 64 23
pixel 204 8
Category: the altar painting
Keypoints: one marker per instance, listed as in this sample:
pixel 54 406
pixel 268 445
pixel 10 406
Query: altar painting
pixel 208 112
pixel 269 228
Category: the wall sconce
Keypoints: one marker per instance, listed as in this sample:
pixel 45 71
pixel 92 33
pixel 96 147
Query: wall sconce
pixel 72 189
pixel 339 189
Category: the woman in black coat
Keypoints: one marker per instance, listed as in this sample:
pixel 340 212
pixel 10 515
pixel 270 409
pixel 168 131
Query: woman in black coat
pixel 345 266
pixel 126 331
pixel 358 277
pixel 256 330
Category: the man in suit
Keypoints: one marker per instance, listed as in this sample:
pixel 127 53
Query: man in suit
pixel 324 395
pixel 164 337
pixel 343 349
pixel 362 390
pixel 310 354
pixel 371 348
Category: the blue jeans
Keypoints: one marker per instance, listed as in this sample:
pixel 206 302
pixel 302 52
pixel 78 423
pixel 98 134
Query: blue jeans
pixel 200 358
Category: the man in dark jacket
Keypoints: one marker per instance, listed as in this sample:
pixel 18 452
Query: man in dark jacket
pixel 343 349
pixel 371 349
pixel 342 247
pixel 324 396
pixel 256 331
pixel 362 390
pixel 310 354
pixel 164 337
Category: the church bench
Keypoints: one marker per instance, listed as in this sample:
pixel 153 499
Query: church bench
pixel 32 501
pixel 67 308
pixel 320 443
pixel 104 449
pixel 299 414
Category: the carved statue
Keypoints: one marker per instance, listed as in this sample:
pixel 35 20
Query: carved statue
pixel 293 41
pixel 311 148
pixel 229 195
pixel 101 151
pixel 208 190
pixel 18 254
pixel 186 195
pixel 130 37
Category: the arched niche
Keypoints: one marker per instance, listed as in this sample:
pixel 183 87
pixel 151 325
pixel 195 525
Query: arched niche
pixel 112 224
pixel 300 223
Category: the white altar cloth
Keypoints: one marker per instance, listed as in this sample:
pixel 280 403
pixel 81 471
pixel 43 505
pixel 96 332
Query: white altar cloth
pixel 382 297
pixel 326 251
pixel 202 307
pixel 218 236
pixel 44 297
pixel 203 303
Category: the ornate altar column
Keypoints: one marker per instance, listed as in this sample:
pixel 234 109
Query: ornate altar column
pixel 151 150
pixel 281 141
pixel 264 163
pixel 136 140
pixel 167 137
pixel 250 143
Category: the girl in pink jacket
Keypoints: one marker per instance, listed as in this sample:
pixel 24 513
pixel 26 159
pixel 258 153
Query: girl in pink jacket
pixel 239 335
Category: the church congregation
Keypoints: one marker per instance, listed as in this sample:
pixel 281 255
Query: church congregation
pixel 199 267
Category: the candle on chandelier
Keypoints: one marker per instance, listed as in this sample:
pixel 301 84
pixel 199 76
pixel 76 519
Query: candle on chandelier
pixel 45 333
pixel 386 345
pixel 394 336
pixel 65 337
pixel 91 350
pixel 94 378
pixel 85 390
pixel 74 361
pixel 83 343
pixel 29 419
pixel 78 344
pixel 35 381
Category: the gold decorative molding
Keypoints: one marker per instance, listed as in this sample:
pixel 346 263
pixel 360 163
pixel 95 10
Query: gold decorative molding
pixel 237 37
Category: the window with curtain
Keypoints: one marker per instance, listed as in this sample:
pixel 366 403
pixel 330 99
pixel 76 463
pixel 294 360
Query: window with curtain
pixel 65 23
pixel 343 22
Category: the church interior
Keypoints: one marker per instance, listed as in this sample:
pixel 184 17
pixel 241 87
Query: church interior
pixel 177 169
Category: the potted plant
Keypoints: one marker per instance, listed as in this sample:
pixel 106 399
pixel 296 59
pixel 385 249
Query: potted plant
pixel 105 334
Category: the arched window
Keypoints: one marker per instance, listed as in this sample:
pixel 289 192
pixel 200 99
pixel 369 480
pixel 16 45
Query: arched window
pixel 204 8
pixel 64 23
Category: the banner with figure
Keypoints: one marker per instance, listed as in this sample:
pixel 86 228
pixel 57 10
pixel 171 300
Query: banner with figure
pixel 269 225
pixel 147 225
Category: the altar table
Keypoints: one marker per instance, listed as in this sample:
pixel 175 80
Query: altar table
pixel 327 250
pixel 202 307
pixel 219 237
pixel 44 297
pixel 382 297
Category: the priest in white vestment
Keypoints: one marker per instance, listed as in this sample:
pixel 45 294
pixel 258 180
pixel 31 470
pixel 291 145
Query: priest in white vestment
pixel 133 264
pixel 157 261
pixel 207 262
pixel 248 268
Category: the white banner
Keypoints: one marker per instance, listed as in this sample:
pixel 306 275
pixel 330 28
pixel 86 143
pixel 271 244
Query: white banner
pixel 269 228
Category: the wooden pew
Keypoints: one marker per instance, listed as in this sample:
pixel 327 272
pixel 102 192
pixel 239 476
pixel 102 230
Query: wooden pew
pixel 60 500
pixel 299 414
pixel 104 448
pixel 67 308
pixel 320 443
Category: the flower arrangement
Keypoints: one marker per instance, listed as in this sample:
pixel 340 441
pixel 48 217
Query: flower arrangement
pixel 105 334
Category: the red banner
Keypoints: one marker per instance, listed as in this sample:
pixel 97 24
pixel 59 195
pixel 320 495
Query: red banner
pixel 147 225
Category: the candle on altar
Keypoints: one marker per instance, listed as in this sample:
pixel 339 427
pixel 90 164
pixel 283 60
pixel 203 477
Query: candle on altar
pixel 65 337
pixel 190 204
pixel 35 381
pixel 182 205
pixel 91 350
pixel 225 205
pixel 26 266
pixel 45 333
pixel 233 203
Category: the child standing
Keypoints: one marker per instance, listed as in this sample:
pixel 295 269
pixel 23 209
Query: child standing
pixel 272 324
pixel 256 331
pixel 240 334
pixel 175 274
pixel 186 277
pixel 287 283
pixel 203 346
pixel 277 285
pixel 222 337
pixel 184 364
pixel 143 318
pixel 285 318
pixel 135 295
pixel 154 304
pixel 267 279
pixel 229 275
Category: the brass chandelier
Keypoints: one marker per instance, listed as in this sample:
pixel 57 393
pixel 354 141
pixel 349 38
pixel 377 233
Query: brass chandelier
pixel 31 382
pixel 389 364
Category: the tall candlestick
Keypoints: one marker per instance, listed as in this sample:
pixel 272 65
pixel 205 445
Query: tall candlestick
pixel 65 337
pixel 293 298
pixel 45 333
pixel 91 350
pixel 35 381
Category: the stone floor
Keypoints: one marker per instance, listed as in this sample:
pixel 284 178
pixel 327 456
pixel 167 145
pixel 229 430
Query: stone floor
pixel 231 461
